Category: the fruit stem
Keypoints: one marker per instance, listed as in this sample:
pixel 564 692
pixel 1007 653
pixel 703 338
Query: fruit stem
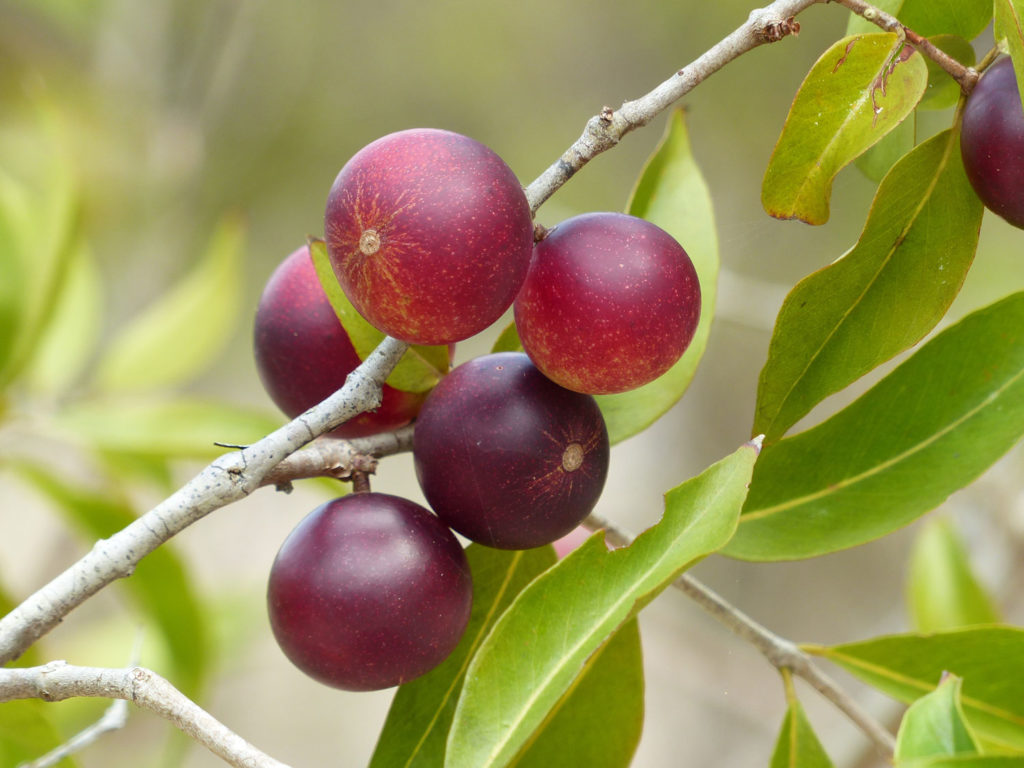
pixel 360 482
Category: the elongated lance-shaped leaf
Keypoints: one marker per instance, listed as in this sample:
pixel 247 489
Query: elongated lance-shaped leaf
pixel 990 660
pixel 942 591
pixel 935 725
pixel 1009 30
pixel 196 318
pixel 542 642
pixel 858 91
pixel 419 369
pixel 598 721
pixel 416 728
pixel 671 192
pixel 929 428
pixel 880 298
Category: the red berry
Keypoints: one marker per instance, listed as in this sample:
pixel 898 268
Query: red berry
pixel 992 142
pixel 507 457
pixel 303 353
pixel 610 303
pixel 369 591
pixel 430 235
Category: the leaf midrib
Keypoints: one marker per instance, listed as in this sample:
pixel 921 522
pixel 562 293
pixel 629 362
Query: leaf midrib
pixel 888 463
pixel 883 265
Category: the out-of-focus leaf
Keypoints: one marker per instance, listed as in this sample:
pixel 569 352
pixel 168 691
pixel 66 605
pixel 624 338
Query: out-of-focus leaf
pixel 990 660
pixel 180 427
pixel 1009 31
pixel 929 428
pixel 536 651
pixel 943 91
pixel 858 91
pixel 182 332
pixel 508 340
pixel 597 723
pixel 965 18
pixel 420 368
pixel 417 724
pixel 896 144
pixel 40 223
pixel 71 335
pixel 798 745
pixel 880 298
pixel 671 193
pixel 27 733
pixel 13 228
pixel 942 591
pixel 160 584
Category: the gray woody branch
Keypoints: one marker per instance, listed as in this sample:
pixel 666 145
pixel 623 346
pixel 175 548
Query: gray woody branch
pixel 58 680
pixel 235 475
pixel 229 478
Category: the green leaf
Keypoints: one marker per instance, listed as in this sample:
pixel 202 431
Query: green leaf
pixel 935 725
pixel 543 641
pixel 990 660
pixel 160 584
pixel 942 591
pixel 70 337
pixel 40 224
pixel 929 428
pixel 857 92
pixel 181 427
pixel 598 721
pixel 27 733
pixel 880 298
pixel 965 18
pixel 798 745
pixel 421 713
pixel 182 332
pixel 896 144
pixel 1009 31
pixel 943 91
pixel 672 194
pixel 508 340
pixel 420 368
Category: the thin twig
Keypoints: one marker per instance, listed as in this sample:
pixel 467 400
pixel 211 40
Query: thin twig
pixel 229 478
pixel 59 680
pixel 966 77
pixel 605 130
pixel 782 653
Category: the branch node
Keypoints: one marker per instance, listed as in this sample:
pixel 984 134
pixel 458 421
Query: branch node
pixel 776 29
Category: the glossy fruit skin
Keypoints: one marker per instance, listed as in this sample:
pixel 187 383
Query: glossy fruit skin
pixel 368 592
pixel 610 303
pixel 508 458
pixel 430 235
pixel 992 142
pixel 303 353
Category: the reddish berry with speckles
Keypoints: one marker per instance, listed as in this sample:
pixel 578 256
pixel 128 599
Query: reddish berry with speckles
pixel 507 457
pixel 992 142
pixel 368 592
pixel 303 353
pixel 610 303
pixel 430 235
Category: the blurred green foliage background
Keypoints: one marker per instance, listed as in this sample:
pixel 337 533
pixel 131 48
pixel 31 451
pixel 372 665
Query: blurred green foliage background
pixel 193 134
